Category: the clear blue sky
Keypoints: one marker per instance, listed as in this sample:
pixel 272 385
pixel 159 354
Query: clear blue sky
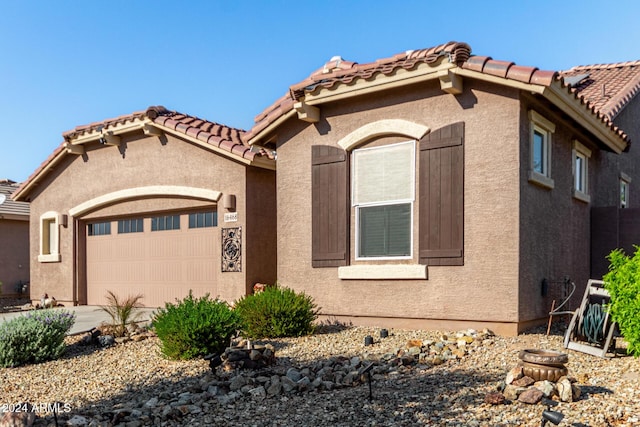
pixel 68 63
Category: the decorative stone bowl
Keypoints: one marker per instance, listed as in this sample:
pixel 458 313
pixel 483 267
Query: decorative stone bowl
pixel 543 365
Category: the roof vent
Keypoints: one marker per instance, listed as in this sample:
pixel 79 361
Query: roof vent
pixel 333 63
pixel 575 80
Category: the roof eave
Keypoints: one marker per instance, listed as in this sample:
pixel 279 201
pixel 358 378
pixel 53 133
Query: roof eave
pixel 565 101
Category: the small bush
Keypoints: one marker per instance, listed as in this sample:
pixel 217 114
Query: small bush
pixel 195 327
pixel 122 312
pixel 623 283
pixel 277 312
pixel 35 337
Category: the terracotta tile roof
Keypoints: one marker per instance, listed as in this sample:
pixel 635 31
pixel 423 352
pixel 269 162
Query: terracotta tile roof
pixel 338 71
pixel 223 137
pixel 7 205
pixel 608 87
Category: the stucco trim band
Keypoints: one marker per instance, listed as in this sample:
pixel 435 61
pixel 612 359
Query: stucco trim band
pixel 137 192
pixel 380 128
pixel 383 272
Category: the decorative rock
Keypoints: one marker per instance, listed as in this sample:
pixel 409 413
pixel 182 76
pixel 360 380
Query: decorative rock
pixel 258 393
pixel 512 392
pixel 294 375
pixel 414 343
pixel 494 398
pixel 523 382
pixel 25 418
pixel 531 396
pixel 514 374
pixel 151 403
pixel 565 391
pixel 304 384
pixel 106 340
pixel 546 387
pixel 274 389
pixel 237 383
pixel 288 385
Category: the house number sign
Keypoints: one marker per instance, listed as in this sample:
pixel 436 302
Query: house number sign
pixel 231 217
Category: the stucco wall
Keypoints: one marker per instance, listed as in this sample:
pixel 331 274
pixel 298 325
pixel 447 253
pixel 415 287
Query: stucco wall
pixel 144 161
pixel 485 288
pixel 555 226
pixel 14 254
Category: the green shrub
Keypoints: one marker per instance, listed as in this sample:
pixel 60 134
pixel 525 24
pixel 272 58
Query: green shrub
pixel 277 312
pixel 623 283
pixel 195 327
pixel 122 312
pixel 35 337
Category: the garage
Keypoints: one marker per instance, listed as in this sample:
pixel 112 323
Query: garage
pixel 160 256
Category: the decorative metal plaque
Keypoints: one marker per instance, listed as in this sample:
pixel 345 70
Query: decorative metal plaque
pixel 232 249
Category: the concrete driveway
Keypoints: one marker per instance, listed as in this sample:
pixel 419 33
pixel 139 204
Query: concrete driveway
pixel 87 317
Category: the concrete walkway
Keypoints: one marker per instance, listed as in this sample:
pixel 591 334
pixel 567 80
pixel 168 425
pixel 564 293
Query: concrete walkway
pixel 87 317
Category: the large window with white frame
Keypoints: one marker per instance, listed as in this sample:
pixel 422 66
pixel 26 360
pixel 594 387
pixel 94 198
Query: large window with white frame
pixel 625 182
pixel 581 155
pixel 383 188
pixel 540 151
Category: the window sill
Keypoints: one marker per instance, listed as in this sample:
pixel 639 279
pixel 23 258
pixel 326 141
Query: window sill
pixel 383 272
pixel 541 180
pixel 581 196
pixel 49 258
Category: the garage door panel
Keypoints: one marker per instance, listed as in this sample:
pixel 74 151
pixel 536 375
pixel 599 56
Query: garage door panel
pixel 161 265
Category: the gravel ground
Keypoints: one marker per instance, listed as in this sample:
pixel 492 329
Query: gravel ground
pixel 130 384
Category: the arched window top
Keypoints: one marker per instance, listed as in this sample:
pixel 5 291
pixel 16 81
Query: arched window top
pixel 383 128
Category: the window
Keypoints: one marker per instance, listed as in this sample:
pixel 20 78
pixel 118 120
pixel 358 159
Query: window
pixel 135 225
pixel 383 195
pixel 203 219
pixel 167 222
pixel 624 190
pixel 99 228
pixel 49 237
pixel 581 155
pixel 540 166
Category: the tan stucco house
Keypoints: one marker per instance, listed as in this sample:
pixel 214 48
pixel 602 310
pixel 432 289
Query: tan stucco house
pixel 438 189
pixel 156 203
pixel 14 241
pixel 431 189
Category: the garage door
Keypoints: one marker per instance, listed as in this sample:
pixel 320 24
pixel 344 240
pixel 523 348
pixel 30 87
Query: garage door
pixel 160 257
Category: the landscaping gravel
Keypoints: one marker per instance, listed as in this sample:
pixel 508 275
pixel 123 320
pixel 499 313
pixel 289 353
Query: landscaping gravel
pixel 130 384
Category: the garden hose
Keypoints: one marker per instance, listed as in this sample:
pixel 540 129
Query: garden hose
pixel 593 323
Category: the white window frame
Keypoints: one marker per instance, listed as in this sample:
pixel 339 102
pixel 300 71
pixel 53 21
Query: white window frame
pixel 580 177
pixel 49 237
pixel 539 124
pixel 625 182
pixel 409 201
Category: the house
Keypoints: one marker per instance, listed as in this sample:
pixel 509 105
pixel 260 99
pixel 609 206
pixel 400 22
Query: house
pixel 432 189
pixel 154 203
pixel 14 241
pixel 439 189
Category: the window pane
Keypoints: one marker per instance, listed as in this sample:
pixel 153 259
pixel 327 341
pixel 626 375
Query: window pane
pixel 385 230
pixel 203 219
pixel 539 152
pixel 99 228
pixel 579 174
pixel 384 174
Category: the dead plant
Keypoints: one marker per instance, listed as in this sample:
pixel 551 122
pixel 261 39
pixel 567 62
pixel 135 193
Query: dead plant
pixel 122 312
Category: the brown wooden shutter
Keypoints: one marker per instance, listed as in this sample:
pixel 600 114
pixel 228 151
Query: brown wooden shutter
pixel 441 203
pixel 330 206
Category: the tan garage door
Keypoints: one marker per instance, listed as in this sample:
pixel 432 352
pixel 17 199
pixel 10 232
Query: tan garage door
pixel 159 257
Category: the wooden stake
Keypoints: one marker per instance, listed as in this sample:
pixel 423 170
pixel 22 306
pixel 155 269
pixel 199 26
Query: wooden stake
pixel 553 306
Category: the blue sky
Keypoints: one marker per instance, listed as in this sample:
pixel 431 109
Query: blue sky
pixel 68 63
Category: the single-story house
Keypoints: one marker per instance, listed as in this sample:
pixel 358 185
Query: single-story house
pixel 14 241
pixel 439 189
pixel 431 189
pixel 154 203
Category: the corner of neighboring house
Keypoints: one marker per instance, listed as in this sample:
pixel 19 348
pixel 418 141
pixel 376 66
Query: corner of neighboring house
pixel 14 242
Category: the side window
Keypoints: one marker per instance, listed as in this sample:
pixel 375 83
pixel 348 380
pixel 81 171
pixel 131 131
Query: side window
pixel 625 182
pixel 49 237
pixel 541 131
pixel 383 192
pixel 581 155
